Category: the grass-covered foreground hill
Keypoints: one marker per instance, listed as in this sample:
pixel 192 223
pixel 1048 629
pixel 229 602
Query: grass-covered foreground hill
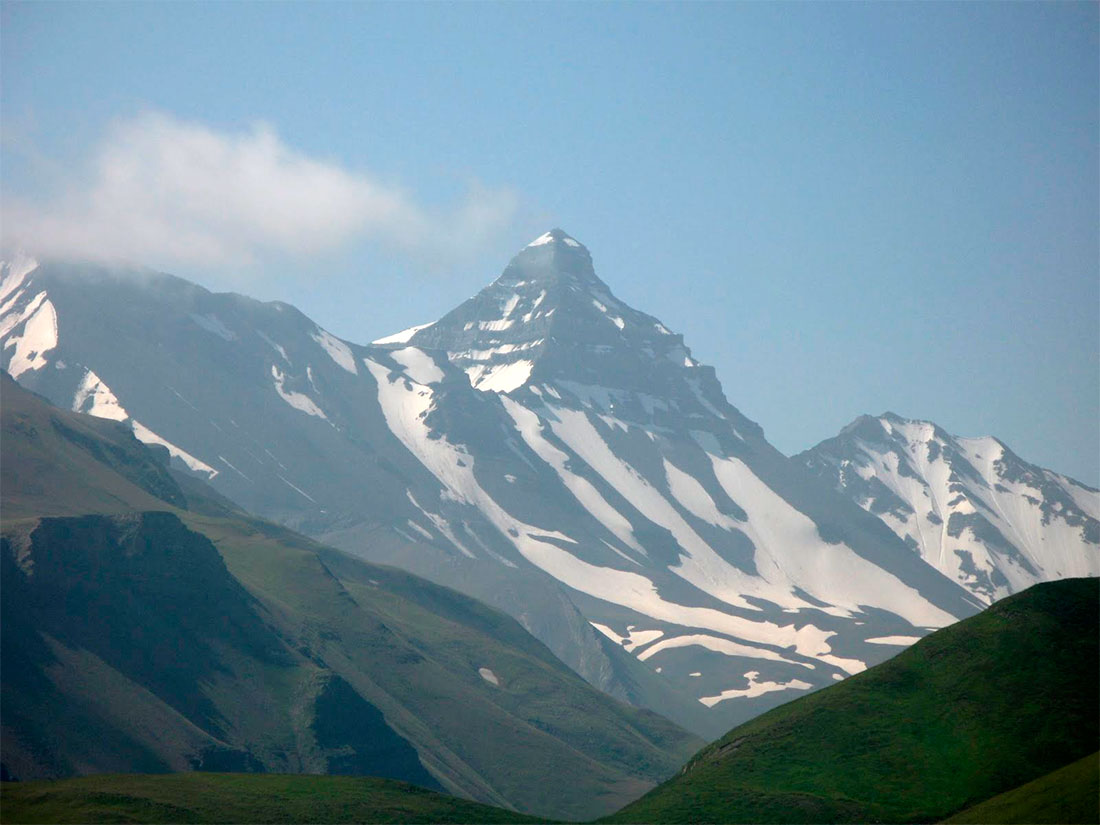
pixel 213 797
pixel 972 711
pixel 1069 794
pixel 150 627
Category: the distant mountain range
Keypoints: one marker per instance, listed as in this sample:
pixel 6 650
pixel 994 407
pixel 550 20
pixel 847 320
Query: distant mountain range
pixel 560 455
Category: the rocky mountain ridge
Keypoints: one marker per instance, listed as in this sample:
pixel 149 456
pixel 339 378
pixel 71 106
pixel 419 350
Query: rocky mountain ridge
pixel 543 447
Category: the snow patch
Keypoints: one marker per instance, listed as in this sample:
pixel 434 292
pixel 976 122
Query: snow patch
pixel 541 240
pixel 39 320
pixel 147 436
pixel 634 638
pixel 755 688
pixel 509 306
pixel 337 350
pixel 609 633
pixel 418 365
pixel 275 346
pixel 419 529
pixel 530 428
pixel 297 400
pixel 719 645
pixel 894 640
pixel 95 398
pixel 500 378
pixel 696 500
pixel 489 676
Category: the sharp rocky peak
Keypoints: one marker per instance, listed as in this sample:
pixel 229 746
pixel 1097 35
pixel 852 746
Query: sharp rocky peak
pixel 549 318
pixel 553 260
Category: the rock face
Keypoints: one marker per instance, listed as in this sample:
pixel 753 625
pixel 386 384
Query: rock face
pixel 543 447
pixel 970 507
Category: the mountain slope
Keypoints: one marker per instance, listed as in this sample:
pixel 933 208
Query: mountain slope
pixel 970 507
pixel 211 797
pixel 971 711
pixel 153 637
pixel 283 419
pixel 1067 795
pixel 543 447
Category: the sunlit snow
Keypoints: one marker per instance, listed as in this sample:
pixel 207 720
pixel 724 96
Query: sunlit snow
pixel 297 400
pixel 337 350
pixel 418 365
pixel 147 436
pixel 38 336
pixel 755 688
pixel 500 377
pixel 95 398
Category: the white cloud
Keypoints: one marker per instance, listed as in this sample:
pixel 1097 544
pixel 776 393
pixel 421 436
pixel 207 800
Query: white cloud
pixel 161 191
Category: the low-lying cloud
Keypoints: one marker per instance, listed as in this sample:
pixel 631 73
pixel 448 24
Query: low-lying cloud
pixel 161 191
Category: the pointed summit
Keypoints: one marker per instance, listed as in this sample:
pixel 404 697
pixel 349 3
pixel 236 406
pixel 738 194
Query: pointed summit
pixel 555 236
pixel 552 259
pixel 549 320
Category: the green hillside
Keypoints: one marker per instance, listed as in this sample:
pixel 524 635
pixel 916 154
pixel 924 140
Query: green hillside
pixel 1068 795
pixel 213 797
pixel 148 626
pixel 969 712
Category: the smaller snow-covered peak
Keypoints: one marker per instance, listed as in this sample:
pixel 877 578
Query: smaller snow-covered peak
pixel 890 426
pixel 555 236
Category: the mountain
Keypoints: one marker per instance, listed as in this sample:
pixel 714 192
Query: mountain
pixel 148 626
pixel 969 712
pixel 543 447
pixel 970 507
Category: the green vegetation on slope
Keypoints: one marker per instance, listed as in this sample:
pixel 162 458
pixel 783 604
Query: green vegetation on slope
pixel 540 739
pixel 971 711
pixel 231 798
pixel 1068 796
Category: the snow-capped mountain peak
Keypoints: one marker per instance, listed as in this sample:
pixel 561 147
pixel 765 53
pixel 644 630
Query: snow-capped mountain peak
pixel 970 507
pixel 549 318
pixel 556 236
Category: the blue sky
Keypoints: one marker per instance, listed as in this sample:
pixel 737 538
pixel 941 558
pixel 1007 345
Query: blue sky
pixel 845 208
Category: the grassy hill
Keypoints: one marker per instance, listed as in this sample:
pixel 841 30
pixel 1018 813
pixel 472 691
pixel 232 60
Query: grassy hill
pixel 969 712
pixel 149 626
pixel 1067 795
pixel 213 797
